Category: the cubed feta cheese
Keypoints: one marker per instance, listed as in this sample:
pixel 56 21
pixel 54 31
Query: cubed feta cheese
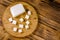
pixel 14 29
pixel 17 10
pixel 14 22
pixel 27 16
pixel 21 26
pixel 21 19
pixel 27 22
pixel 10 19
pixel 26 26
pixel 20 31
pixel 29 12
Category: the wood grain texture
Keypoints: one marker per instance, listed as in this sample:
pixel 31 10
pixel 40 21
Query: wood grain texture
pixel 49 20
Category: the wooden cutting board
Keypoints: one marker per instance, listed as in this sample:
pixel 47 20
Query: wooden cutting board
pixel 49 20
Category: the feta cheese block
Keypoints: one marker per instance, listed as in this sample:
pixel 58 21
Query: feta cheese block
pixel 17 10
pixel 26 26
pixel 20 31
pixel 10 19
pixel 29 12
pixel 14 29
pixel 27 22
pixel 21 26
pixel 21 19
pixel 27 16
pixel 14 22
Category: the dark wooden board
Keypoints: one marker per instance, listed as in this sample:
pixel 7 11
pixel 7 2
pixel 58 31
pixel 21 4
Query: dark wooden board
pixel 49 20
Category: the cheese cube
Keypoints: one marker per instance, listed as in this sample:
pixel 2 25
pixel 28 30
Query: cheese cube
pixel 21 26
pixel 27 16
pixel 13 22
pixel 20 31
pixel 14 29
pixel 21 19
pixel 17 10
pixel 26 26
pixel 27 22
pixel 10 19
pixel 29 12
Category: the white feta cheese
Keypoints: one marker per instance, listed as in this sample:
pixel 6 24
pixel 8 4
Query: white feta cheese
pixel 17 10
pixel 29 12
pixel 27 22
pixel 21 19
pixel 14 29
pixel 27 16
pixel 20 31
pixel 21 26
pixel 10 19
pixel 26 26
pixel 14 22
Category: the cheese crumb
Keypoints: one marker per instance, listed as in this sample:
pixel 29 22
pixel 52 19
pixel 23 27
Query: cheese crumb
pixel 21 26
pixel 17 10
pixel 27 16
pixel 27 22
pixel 10 19
pixel 20 31
pixel 29 12
pixel 21 19
pixel 26 26
pixel 14 29
pixel 13 22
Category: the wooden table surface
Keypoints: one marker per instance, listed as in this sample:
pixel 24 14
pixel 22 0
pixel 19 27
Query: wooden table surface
pixel 49 20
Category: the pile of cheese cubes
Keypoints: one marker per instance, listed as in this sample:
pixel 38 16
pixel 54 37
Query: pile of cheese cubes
pixel 18 10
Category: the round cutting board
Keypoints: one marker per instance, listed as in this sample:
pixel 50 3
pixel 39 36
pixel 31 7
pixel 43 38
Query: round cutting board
pixel 9 26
